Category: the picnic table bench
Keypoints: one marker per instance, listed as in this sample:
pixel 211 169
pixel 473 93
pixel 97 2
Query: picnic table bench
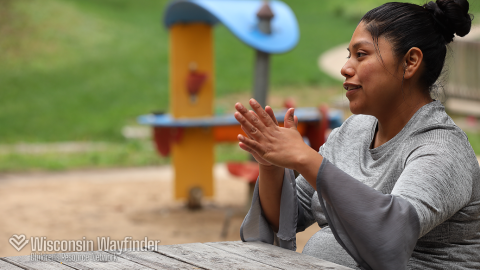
pixel 214 255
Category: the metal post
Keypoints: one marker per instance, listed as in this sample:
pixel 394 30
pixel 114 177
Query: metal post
pixel 262 73
pixel 260 88
pixel 262 60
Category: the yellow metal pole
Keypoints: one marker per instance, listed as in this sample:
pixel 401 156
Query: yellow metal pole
pixel 193 157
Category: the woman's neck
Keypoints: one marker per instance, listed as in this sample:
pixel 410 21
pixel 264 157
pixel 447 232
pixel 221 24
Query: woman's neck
pixel 393 121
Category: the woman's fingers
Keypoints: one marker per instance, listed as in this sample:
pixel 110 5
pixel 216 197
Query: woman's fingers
pixel 261 113
pixel 251 130
pixel 269 110
pixel 245 148
pixel 249 117
pixel 246 132
pixel 289 120
pixel 251 144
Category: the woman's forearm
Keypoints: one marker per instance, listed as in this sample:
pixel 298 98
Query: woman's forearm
pixel 270 190
pixel 271 182
pixel 308 165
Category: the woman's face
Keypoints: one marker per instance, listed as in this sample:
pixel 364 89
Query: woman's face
pixel 373 81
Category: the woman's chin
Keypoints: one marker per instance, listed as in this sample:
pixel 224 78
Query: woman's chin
pixel 354 108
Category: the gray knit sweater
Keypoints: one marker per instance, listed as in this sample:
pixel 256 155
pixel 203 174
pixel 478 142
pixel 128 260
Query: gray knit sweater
pixel 411 203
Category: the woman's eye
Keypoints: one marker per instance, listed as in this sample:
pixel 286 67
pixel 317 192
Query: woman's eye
pixel 360 54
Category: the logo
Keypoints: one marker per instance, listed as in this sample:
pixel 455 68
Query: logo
pixel 18 241
pixel 41 244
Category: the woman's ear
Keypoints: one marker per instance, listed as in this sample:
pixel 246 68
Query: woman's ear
pixel 413 60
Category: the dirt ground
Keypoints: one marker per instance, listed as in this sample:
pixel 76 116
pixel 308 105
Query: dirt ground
pixel 117 203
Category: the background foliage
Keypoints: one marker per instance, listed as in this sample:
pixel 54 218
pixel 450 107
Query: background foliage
pixel 80 70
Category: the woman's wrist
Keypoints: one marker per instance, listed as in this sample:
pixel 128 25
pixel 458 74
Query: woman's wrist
pixel 303 159
pixel 271 172
pixel 308 165
pixel 268 167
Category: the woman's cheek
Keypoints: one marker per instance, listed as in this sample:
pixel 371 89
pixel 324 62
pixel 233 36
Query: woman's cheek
pixel 367 69
pixel 372 74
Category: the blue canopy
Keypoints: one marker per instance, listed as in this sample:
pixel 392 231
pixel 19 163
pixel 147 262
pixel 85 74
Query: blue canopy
pixel 241 19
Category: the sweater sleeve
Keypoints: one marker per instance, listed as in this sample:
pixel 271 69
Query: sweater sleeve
pixel 437 181
pixel 295 214
pixel 380 230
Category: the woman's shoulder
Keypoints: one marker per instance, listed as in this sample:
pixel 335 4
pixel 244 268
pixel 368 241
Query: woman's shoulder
pixel 432 124
pixel 434 133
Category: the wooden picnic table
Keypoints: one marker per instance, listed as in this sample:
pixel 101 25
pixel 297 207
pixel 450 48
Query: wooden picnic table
pixel 215 255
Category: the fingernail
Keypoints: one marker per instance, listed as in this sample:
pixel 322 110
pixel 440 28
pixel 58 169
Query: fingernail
pixel 241 138
pixel 239 116
pixel 252 101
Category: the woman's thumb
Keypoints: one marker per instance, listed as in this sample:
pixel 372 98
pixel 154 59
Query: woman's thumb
pixel 289 121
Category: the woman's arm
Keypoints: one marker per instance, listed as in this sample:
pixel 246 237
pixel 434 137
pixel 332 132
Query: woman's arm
pixel 308 165
pixel 271 176
pixel 270 190
pixel 282 212
pixel 256 227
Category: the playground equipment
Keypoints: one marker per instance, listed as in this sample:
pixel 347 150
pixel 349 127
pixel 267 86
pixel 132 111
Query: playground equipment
pixel 190 131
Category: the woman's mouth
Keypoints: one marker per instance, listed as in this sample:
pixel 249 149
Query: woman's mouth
pixel 349 88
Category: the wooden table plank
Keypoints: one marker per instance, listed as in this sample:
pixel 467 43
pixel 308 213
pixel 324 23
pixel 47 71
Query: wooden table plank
pixel 154 260
pixel 8 266
pixel 26 263
pixel 220 255
pixel 275 256
pixel 208 257
pixel 100 260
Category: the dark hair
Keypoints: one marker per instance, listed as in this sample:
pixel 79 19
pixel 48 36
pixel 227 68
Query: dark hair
pixel 429 27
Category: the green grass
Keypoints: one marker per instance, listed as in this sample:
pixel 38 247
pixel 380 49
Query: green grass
pixel 474 139
pixel 80 70
pixel 128 153
pixel 82 74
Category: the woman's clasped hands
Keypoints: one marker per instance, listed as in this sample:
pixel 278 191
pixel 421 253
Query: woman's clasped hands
pixel 270 144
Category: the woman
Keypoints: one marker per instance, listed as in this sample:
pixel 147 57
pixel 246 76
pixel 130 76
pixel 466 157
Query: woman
pixel 397 185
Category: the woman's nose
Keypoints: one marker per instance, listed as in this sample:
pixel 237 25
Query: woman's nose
pixel 347 70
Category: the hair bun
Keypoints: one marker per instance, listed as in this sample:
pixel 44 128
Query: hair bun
pixel 451 16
